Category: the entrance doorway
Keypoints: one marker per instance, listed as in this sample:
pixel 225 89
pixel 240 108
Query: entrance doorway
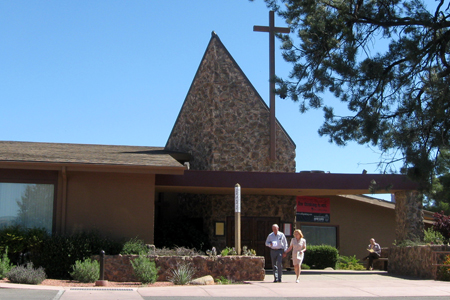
pixel 254 232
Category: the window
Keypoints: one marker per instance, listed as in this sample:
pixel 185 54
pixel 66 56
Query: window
pixel 320 235
pixel 27 205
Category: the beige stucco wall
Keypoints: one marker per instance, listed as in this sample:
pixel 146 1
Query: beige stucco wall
pixel 358 222
pixel 118 205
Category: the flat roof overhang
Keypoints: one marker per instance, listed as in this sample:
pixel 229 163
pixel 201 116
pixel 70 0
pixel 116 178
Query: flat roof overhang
pixel 273 183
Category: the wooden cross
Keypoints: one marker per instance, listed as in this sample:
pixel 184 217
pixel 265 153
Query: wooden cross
pixel 271 29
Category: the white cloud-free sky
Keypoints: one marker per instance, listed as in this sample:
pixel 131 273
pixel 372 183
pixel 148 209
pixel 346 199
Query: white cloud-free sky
pixel 117 72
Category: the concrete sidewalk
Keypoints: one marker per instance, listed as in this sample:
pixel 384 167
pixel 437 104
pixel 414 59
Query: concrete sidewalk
pixel 313 284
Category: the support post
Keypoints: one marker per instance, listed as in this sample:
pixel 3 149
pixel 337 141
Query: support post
pixel 237 218
pixel 409 216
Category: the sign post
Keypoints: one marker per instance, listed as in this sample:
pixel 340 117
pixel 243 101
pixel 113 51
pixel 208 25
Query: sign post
pixel 237 218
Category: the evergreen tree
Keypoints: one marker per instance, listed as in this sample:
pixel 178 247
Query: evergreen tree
pixel 438 197
pixel 387 60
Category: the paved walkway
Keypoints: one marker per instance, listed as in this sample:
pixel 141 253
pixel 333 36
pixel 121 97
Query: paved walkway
pixel 313 284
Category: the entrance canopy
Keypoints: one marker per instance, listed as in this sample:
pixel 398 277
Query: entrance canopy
pixel 293 184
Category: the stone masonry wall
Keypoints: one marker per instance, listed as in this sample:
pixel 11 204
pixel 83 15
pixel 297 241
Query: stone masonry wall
pixel 240 268
pixel 224 123
pixel 416 261
pixel 213 208
pixel 409 216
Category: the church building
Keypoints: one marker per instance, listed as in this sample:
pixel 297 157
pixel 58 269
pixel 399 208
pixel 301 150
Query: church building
pixel 221 138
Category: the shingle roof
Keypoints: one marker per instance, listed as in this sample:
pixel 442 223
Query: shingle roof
pixel 86 154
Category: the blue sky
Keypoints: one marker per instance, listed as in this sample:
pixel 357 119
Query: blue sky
pixel 117 72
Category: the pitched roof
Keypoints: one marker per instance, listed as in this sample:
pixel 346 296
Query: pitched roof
pixel 57 153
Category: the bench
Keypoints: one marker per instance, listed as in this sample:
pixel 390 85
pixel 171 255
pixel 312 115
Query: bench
pixel 383 260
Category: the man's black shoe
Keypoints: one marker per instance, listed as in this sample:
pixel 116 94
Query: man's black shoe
pixel 275 280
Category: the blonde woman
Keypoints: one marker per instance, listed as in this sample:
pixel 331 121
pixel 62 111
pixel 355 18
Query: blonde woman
pixel 298 247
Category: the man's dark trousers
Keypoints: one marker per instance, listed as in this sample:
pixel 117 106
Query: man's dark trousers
pixel 277 263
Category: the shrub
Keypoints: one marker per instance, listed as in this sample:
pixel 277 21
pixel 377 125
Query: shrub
pixel 223 280
pixel 349 263
pixel 409 243
pixel 134 246
pixel 176 251
pixel 248 252
pixel 442 225
pixel 182 274
pixel 26 274
pixel 443 272
pixel 321 257
pixel 5 265
pixel 212 252
pixel 86 271
pixel 21 242
pixel 433 237
pixel 145 269
pixel 59 253
pixel 305 267
pixel 228 251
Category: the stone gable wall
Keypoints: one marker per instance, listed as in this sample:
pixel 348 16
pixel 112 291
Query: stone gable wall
pixel 224 123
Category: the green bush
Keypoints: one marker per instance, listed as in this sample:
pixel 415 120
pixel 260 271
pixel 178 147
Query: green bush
pixel 433 237
pixel 26 274
pixel 248 252
pixel 145 269
pixel 228 251
pixel 59 253
pixel 5 264
pixel 443 272
pixel 349 263
pixel 86 271
pixel 182 274
pixel 223 280
pixel 134 246
pixel 56 254
pixel 21 242
pixel 176 251
pixel 321 257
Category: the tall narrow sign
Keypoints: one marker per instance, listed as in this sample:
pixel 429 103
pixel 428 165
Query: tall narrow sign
pixel 271 29
pixel 237 218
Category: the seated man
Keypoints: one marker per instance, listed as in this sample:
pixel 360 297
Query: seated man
pixel 374 253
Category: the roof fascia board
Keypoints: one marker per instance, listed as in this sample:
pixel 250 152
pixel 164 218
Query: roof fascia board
pixel 295 181
pixel 94 168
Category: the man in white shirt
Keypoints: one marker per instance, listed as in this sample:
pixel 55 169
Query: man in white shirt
pixel 374 253
pixel 277 243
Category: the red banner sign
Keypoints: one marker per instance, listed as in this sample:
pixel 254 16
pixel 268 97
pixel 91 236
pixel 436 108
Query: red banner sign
pixel 313 205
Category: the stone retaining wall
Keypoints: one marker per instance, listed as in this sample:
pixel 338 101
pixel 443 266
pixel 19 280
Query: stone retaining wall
pixel 416 261
pixel 240 268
